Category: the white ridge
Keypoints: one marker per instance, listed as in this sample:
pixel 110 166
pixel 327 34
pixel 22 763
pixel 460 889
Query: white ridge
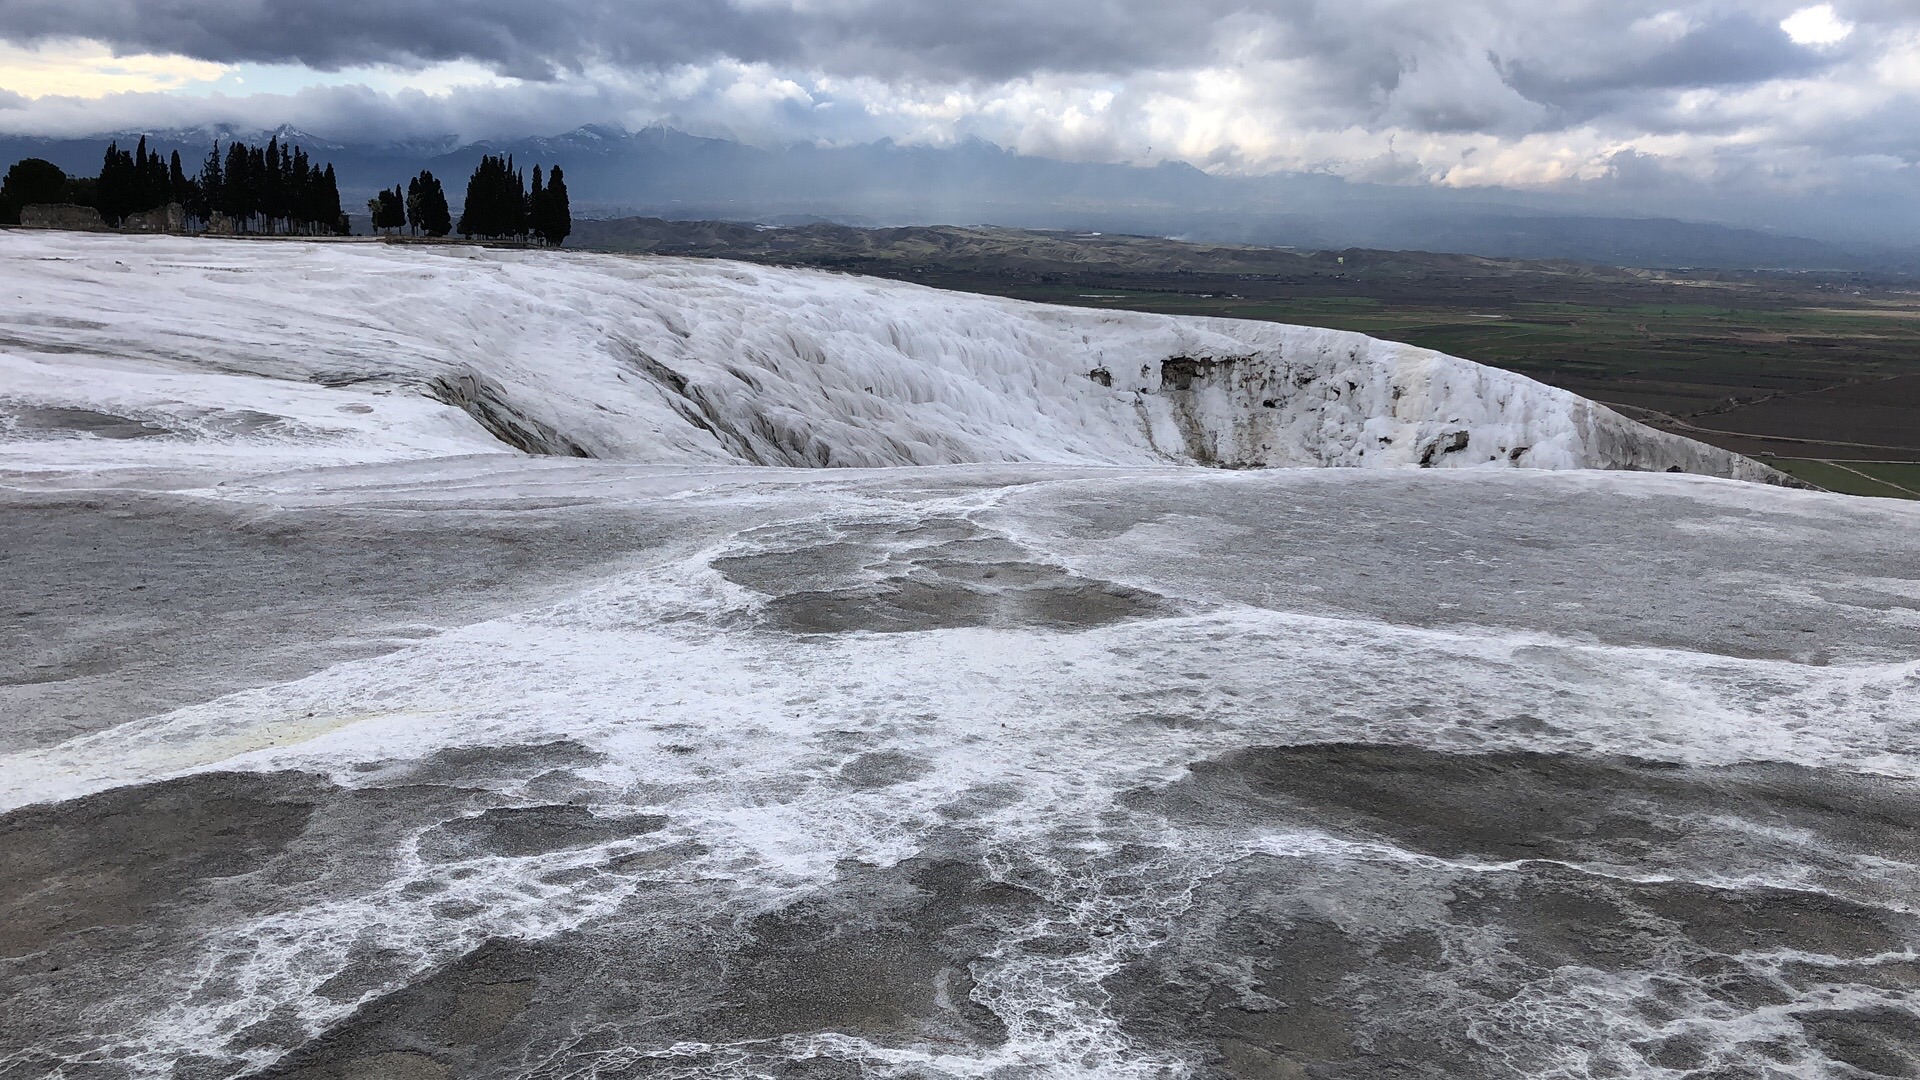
pixel 663 361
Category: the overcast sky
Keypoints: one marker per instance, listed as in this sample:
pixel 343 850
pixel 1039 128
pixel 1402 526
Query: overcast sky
pixel 1781 96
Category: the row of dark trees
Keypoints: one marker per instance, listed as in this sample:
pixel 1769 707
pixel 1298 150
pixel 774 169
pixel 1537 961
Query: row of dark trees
pixel 277 189
pixel 135 181
pixel 426 205
pixel 267 189
pixel 500 204
pixel 388 210
pixel 264 189
pixel 422 209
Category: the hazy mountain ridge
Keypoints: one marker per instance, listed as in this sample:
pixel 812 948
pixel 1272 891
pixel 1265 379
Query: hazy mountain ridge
pixel 667 173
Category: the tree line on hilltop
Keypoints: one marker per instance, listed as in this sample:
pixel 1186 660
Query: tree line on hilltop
pixel 277 189
pixel 271 189
pixel 498 204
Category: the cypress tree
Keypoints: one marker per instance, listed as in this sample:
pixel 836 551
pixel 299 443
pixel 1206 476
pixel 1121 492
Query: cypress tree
pixel 330 203
pixel 499 217
pixel 477 217
pixel 537 206
pixel 559 216
pixel 103 188
pixel 505 196
pixel 273 188
pixel 114 190
pixel 268 188
pixel 159 183
pixel 519 204
pixel 300 185
pixel 209 190
pixel 498 204
pixel 388 210
pixel 439 214
pixel 289 194
pixel 235 198
pixel 176 181
pixel 550 217
pixel 257 181
pixel 135 181
pixel 146 184
pixel 416 211
pixel 434 219
pixel 143 179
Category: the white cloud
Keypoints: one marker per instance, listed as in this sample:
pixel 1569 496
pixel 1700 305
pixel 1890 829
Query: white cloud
pixel 1817 25
pixel 89 69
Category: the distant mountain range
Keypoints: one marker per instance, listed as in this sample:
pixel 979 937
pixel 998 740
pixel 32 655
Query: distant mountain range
pixel 666 173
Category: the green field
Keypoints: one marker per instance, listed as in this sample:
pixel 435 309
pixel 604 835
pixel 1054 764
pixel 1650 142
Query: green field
pixel 1686 352
pixel 1881 479
pixel 1904 474
pixel 1799 380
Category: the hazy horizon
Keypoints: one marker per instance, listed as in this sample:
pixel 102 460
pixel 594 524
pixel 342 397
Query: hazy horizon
pixel 1795 118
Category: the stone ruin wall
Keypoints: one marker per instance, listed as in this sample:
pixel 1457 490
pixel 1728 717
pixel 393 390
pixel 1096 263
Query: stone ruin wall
pixel 62 216
pixel 171 218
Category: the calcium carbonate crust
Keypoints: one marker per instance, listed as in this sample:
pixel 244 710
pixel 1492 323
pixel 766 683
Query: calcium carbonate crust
pixel 682 361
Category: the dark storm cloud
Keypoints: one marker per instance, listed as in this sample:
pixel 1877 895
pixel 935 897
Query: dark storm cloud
pixel 1460 92
pixel 1502 66
pixel 989 39
pixel 1734 50
pixel 525 39
pixel 1730 51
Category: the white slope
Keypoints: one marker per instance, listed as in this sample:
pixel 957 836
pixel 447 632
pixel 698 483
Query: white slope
pixel 366 352
pixel 822 679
